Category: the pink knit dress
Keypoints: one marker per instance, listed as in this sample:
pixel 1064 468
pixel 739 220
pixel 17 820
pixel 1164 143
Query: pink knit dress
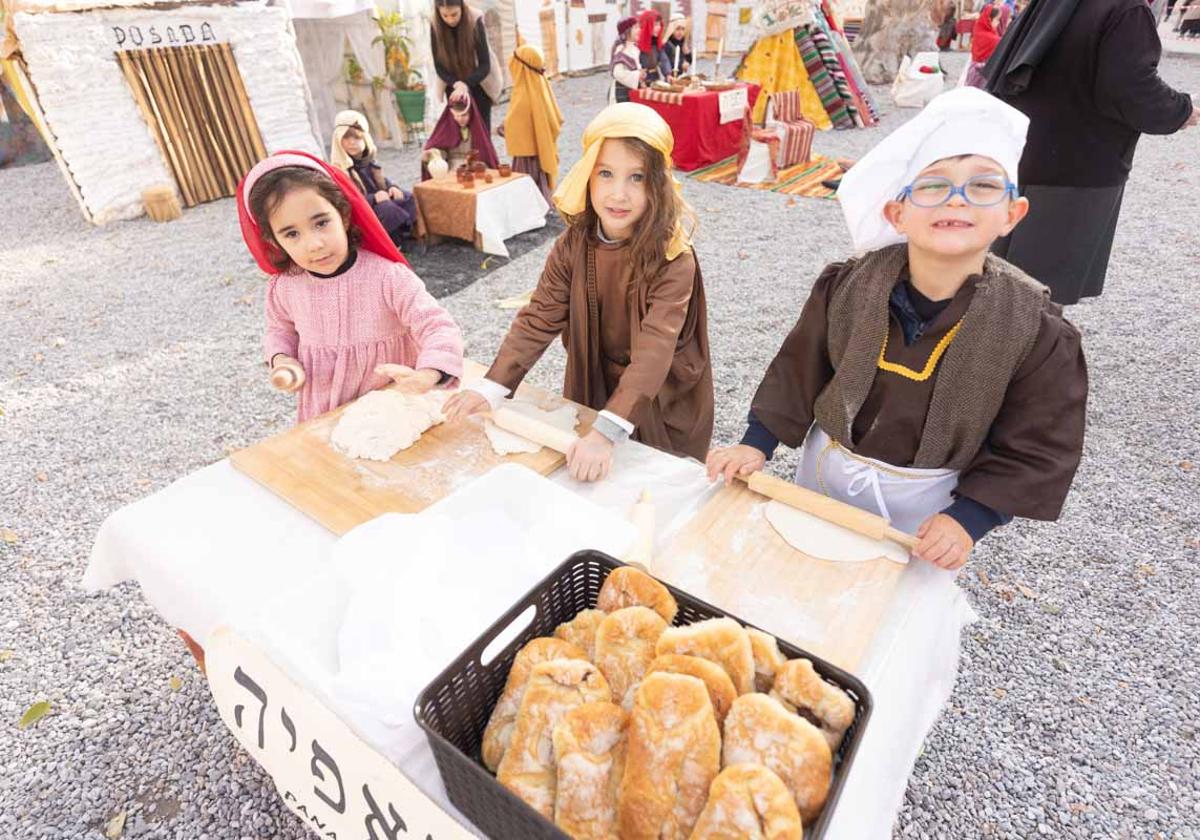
pixel 340 328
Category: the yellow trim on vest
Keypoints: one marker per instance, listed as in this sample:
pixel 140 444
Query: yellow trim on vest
pixel 930 365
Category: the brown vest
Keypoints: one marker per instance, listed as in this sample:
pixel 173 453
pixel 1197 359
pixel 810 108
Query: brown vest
pixel 999 329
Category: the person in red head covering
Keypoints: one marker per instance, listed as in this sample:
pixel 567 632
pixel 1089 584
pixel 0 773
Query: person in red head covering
pixel 651 54
pixel 345 313
pixel 458 132
pixel 985 37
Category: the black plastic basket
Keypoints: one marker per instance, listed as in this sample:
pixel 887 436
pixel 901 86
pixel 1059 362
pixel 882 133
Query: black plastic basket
pixel 454 709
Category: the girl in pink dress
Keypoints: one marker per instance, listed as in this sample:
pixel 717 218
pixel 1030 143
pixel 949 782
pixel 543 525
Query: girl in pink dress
pixel 345 313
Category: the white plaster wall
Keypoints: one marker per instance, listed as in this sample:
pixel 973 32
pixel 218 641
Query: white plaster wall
pixel 90 109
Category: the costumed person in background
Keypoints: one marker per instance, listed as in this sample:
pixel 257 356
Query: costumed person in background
pixel 623 289
pixel 461 57
pixel 345 313
pixel 625 66
pixel 946 18
pixel 533 121
pixel 678 47
pixel 1086 75
pixel 929 381
pixel 458 132
pixel 651 56
pixel 353 151
pixel 985 37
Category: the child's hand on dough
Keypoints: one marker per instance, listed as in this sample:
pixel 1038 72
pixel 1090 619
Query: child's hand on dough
pixel 463 404
pixel 409 381
pixel 731 461
pixel 943 542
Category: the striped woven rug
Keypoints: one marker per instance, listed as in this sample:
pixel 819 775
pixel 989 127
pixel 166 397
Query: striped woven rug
pixel 803 179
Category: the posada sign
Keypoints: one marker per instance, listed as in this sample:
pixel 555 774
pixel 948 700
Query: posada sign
pixel 335 783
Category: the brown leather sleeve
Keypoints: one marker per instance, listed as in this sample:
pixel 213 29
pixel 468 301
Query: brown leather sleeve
pixel 539 322
pixel 800 370
pixel 653 343
pixel 1033 449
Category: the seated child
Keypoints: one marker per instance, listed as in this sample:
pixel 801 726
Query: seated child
pixel 353 151
pixel 342 302
pixel 927 380
pixel 678 46
pixel 459 131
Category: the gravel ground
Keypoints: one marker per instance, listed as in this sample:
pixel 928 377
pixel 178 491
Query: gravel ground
pixel 130 359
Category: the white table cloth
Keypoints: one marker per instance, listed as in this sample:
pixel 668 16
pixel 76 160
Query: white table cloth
pixel 215 548
pixel 506 210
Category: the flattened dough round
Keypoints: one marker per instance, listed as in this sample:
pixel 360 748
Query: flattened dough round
pixel 378 425
pixel 826 541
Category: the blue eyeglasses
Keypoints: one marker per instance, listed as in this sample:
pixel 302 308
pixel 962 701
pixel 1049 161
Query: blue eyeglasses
pixel 978 191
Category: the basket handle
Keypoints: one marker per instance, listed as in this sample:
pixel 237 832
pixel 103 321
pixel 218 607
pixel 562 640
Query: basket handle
pixel 504 636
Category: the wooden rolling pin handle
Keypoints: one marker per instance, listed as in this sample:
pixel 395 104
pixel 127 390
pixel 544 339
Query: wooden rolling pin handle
pixel 287 377
pixel 534 430
pixel 902 537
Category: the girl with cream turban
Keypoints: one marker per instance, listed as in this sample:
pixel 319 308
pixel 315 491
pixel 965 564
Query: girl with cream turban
pixel 353 151
pixel 533 121
pixel 623 289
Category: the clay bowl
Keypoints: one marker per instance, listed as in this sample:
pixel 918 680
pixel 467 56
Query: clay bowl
pixel 505 170
pixel 480 167
pixel 487 178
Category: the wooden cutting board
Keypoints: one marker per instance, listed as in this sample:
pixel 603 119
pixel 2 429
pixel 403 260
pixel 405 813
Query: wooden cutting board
pixel 730 556
pixel 302 467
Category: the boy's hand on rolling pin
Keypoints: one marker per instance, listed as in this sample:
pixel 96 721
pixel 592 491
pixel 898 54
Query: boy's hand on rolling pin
pixel 734 460
pixel 943 542
pixel 464 404
pixel 410 381
pixel 590 457
pixel 287 374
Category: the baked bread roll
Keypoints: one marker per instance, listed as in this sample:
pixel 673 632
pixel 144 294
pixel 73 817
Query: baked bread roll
pixel 720 640
pixel 554 688
pixel 499 729
pixel 767 658
pixel 672 758
pixel 626 586
pixel 759 730
pixel 589 760
pixel 800 689
pixel 748 802
pixel 581 631
pixel 720 688
pixel 625 643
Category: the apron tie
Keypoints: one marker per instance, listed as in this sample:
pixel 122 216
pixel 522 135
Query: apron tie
pixel 863 476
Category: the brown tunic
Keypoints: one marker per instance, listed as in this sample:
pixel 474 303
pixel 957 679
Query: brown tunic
pixel 638 351
pixel 1026 466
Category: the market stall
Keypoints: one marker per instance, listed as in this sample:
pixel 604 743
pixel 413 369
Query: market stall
pixel 335 638
pixel 486 212
pixel 708 125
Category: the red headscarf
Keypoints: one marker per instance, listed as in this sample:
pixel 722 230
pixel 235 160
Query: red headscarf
pixel 374 237
pixel 647 21
pixel 985 35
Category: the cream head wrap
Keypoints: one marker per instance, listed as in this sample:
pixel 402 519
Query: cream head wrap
pixel 625 119
pixel 343 121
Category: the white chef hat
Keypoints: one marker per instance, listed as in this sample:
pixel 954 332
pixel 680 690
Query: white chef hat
pixel 963 121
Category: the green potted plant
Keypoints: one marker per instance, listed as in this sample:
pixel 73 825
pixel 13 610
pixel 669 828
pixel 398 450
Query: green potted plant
pixel 407 85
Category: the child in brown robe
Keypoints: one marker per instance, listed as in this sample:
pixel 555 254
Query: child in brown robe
pixel 623 289
pixel 929 381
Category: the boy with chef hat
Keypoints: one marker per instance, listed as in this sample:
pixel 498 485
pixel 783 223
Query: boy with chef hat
pixel 927 380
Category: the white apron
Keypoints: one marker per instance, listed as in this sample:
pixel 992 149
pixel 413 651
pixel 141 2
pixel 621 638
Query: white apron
pixel 904 496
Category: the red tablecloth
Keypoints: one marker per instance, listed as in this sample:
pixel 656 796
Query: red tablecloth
pixel 700 139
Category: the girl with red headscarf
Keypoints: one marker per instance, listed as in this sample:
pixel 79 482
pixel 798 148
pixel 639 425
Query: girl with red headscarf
pixel 345 313
pixel 651 54
pixel 985 37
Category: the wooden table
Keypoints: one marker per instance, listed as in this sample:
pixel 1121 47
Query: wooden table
pixel 446 208
pixel 302 466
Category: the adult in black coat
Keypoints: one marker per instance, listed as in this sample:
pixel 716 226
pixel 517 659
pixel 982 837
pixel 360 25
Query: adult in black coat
pixel 1085 72
pixel 460 54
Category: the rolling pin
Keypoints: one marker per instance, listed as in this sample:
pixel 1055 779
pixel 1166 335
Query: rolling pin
pixel 831 510
pixel 534 430
pixel 287 376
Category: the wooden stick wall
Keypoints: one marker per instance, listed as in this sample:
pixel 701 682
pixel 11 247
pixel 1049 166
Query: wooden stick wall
pixel 193 99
